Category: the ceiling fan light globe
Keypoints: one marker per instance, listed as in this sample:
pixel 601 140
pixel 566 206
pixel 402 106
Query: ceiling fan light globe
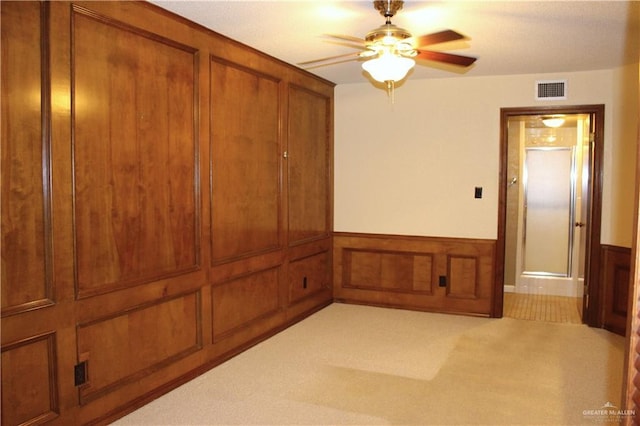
pixel 389 40
pixel 388 67
pixel 403 47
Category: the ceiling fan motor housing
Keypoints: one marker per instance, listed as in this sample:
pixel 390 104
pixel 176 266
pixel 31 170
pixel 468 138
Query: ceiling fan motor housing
pixel 386 34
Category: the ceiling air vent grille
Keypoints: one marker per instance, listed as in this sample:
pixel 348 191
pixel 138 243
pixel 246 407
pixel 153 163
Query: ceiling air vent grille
pixel 550 90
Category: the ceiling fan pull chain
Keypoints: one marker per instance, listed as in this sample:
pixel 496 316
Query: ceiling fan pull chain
pixel 390 90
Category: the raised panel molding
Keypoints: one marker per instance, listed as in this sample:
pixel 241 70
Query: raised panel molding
pixel 309 275
pixel 130 345
pixel 309 165
pixel 433 274
pixel 29 381
pixel 135 155
pixel 238 303
pixel 26 249
pixel 463 273
pixel 616 272
pixel 388 270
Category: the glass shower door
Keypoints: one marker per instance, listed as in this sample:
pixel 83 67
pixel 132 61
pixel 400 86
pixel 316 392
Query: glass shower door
pixel 548 211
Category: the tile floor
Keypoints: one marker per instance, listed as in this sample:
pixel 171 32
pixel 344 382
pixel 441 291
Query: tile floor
pixel 539 307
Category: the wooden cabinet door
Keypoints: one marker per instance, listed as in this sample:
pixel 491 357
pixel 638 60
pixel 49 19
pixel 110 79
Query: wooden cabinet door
pixel 309 184
pixel 245 168
pixel 309 162
pixel 246 197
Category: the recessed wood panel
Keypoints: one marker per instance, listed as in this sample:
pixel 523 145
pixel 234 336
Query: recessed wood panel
pixel 401 271
pixel 616 269
pixel 245 162
pixel 423 273
pixel 364 269
pixel 308 164
pixel 239 302
pixel 26 279
pixel 463 277
pixel 397 271
pixel 131 345
pixel 135 155
pixel 620 297
pixel 308 275
pixel 29 384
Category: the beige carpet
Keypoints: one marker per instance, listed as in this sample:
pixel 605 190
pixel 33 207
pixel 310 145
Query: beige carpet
pixel 350 364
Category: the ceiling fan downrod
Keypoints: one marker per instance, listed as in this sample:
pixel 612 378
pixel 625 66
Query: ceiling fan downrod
pixel 388 8
pixel 387 33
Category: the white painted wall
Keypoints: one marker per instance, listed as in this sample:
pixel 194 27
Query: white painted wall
pixel 410 168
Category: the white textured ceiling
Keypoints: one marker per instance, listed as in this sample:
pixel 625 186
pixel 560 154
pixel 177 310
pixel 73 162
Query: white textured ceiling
pixel 507 37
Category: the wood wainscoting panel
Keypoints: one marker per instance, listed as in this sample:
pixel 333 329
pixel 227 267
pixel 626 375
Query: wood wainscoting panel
pixel 424 273
pixel 29 383
pixel 616 273
pixel 388 270
pixel 238 303
pixel 462 272
pixel 130 345
pixel 135 155
pixel 309 275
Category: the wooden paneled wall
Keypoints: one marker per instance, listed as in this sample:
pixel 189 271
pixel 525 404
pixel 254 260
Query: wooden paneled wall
pixel 431 274
pixel 166 203
pixel 616 278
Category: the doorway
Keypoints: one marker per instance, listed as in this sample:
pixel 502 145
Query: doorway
pixel 550 203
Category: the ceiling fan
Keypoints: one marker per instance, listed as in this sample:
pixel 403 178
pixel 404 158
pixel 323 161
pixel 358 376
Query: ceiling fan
pixel 390 50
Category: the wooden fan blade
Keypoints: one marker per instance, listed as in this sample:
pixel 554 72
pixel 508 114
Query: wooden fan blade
pixel 347 38
pixel 348 44
pixel 328 58
pixel 448 58
pixel 327 64
pixel 435 38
